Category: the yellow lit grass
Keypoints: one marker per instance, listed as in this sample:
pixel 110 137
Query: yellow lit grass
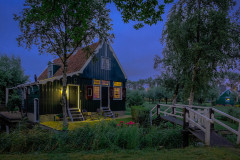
pixel 58 125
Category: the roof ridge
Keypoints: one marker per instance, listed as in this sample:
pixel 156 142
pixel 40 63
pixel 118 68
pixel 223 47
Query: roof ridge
pixel 75 62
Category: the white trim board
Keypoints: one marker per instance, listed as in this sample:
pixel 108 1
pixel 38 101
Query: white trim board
pixel 115 56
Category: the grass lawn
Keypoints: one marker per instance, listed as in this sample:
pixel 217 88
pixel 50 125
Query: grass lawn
pixel 58 125
pixel 164 154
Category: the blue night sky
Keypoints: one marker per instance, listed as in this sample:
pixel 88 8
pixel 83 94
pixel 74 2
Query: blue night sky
pixel 135 49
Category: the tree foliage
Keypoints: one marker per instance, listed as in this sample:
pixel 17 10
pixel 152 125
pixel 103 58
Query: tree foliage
pixel 11 74
pixel 204 37
pixel 61 27
pixel 14 101
pixel 134 98
pixel 142 11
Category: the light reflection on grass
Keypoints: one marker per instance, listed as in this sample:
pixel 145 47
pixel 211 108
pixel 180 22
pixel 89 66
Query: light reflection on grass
pixel 58 125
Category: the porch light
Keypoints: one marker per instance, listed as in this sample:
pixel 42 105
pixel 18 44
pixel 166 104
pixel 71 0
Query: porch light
pixel 61 91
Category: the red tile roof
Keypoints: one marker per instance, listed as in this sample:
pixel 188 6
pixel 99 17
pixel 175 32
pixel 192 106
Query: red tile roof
pixel 75 62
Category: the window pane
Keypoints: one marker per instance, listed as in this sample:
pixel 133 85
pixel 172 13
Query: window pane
pixel 117 83
pixel 89 91
pixel 96 82
pixel 117 93
pixel 105 83
pixel 96 92
pixel 107 64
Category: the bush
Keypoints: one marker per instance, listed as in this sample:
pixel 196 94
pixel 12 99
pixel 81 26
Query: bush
pixel 141 115
pixel 106 135
pixel 14 101
pixel 134 98
pixel 213 103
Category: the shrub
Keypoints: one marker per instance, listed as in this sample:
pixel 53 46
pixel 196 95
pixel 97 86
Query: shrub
pixel 14 101
pixel 134 98
pixel 141 115
pixel 105 135
pixel 213 103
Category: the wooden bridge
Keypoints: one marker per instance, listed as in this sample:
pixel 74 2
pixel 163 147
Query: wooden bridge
pixel 197 120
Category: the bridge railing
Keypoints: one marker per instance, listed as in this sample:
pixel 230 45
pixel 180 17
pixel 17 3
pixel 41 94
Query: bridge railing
pixel 193 118
pixel 237 132
pixel 199 117
pixel 171 110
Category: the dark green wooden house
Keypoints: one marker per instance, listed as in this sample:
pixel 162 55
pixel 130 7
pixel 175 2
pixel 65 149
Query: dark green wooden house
pixel 225 98
pixel 93 83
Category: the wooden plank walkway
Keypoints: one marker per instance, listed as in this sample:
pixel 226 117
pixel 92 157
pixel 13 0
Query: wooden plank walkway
pixel 172 120
pixel 215 140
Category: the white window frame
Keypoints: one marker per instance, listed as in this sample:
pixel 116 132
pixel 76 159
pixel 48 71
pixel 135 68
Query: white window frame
pixel 104 61
pixel 120 94
pixel 100 90
pixel 51 71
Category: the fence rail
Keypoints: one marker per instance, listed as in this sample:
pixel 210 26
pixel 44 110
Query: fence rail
pixel 196 117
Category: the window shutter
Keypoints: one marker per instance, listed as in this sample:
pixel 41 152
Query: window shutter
pixel 123 93
pixel 111 92
pixel 89 92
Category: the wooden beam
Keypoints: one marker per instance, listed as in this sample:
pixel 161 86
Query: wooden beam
pixel 222 113
pixel 208 133
pixel 7 92
pixel 226 126
pixel 150 118
pixel 238 137
pixel 7 129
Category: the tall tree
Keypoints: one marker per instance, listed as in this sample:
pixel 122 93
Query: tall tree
pixel 11 74
pixel 202 33
pixel 60 27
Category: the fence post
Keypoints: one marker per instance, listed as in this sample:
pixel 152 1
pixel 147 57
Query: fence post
pixel 7 129
pixel 150 118
pixel 158 109
pixel 208 133
pixel 185 132
pixel 211 116
pixel 173 110
pixel 238 137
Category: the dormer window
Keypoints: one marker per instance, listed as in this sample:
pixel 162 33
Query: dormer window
pixel 50 69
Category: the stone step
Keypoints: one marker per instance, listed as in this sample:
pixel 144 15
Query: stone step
pixel 73 109
pixel 73 115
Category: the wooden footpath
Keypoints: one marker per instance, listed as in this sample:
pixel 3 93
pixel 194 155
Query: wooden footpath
pixel 196 120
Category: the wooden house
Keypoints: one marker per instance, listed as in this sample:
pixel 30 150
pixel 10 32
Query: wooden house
pixel 230 90
pixel 94 83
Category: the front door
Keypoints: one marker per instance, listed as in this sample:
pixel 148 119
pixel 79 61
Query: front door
pixel 73 96
pixel 104 96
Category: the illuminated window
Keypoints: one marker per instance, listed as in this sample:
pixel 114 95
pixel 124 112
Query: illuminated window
pixel 105 83
pixel 119 84
pixel 96 92
pixel 117 93
pixel 227 99
pixel 96 82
